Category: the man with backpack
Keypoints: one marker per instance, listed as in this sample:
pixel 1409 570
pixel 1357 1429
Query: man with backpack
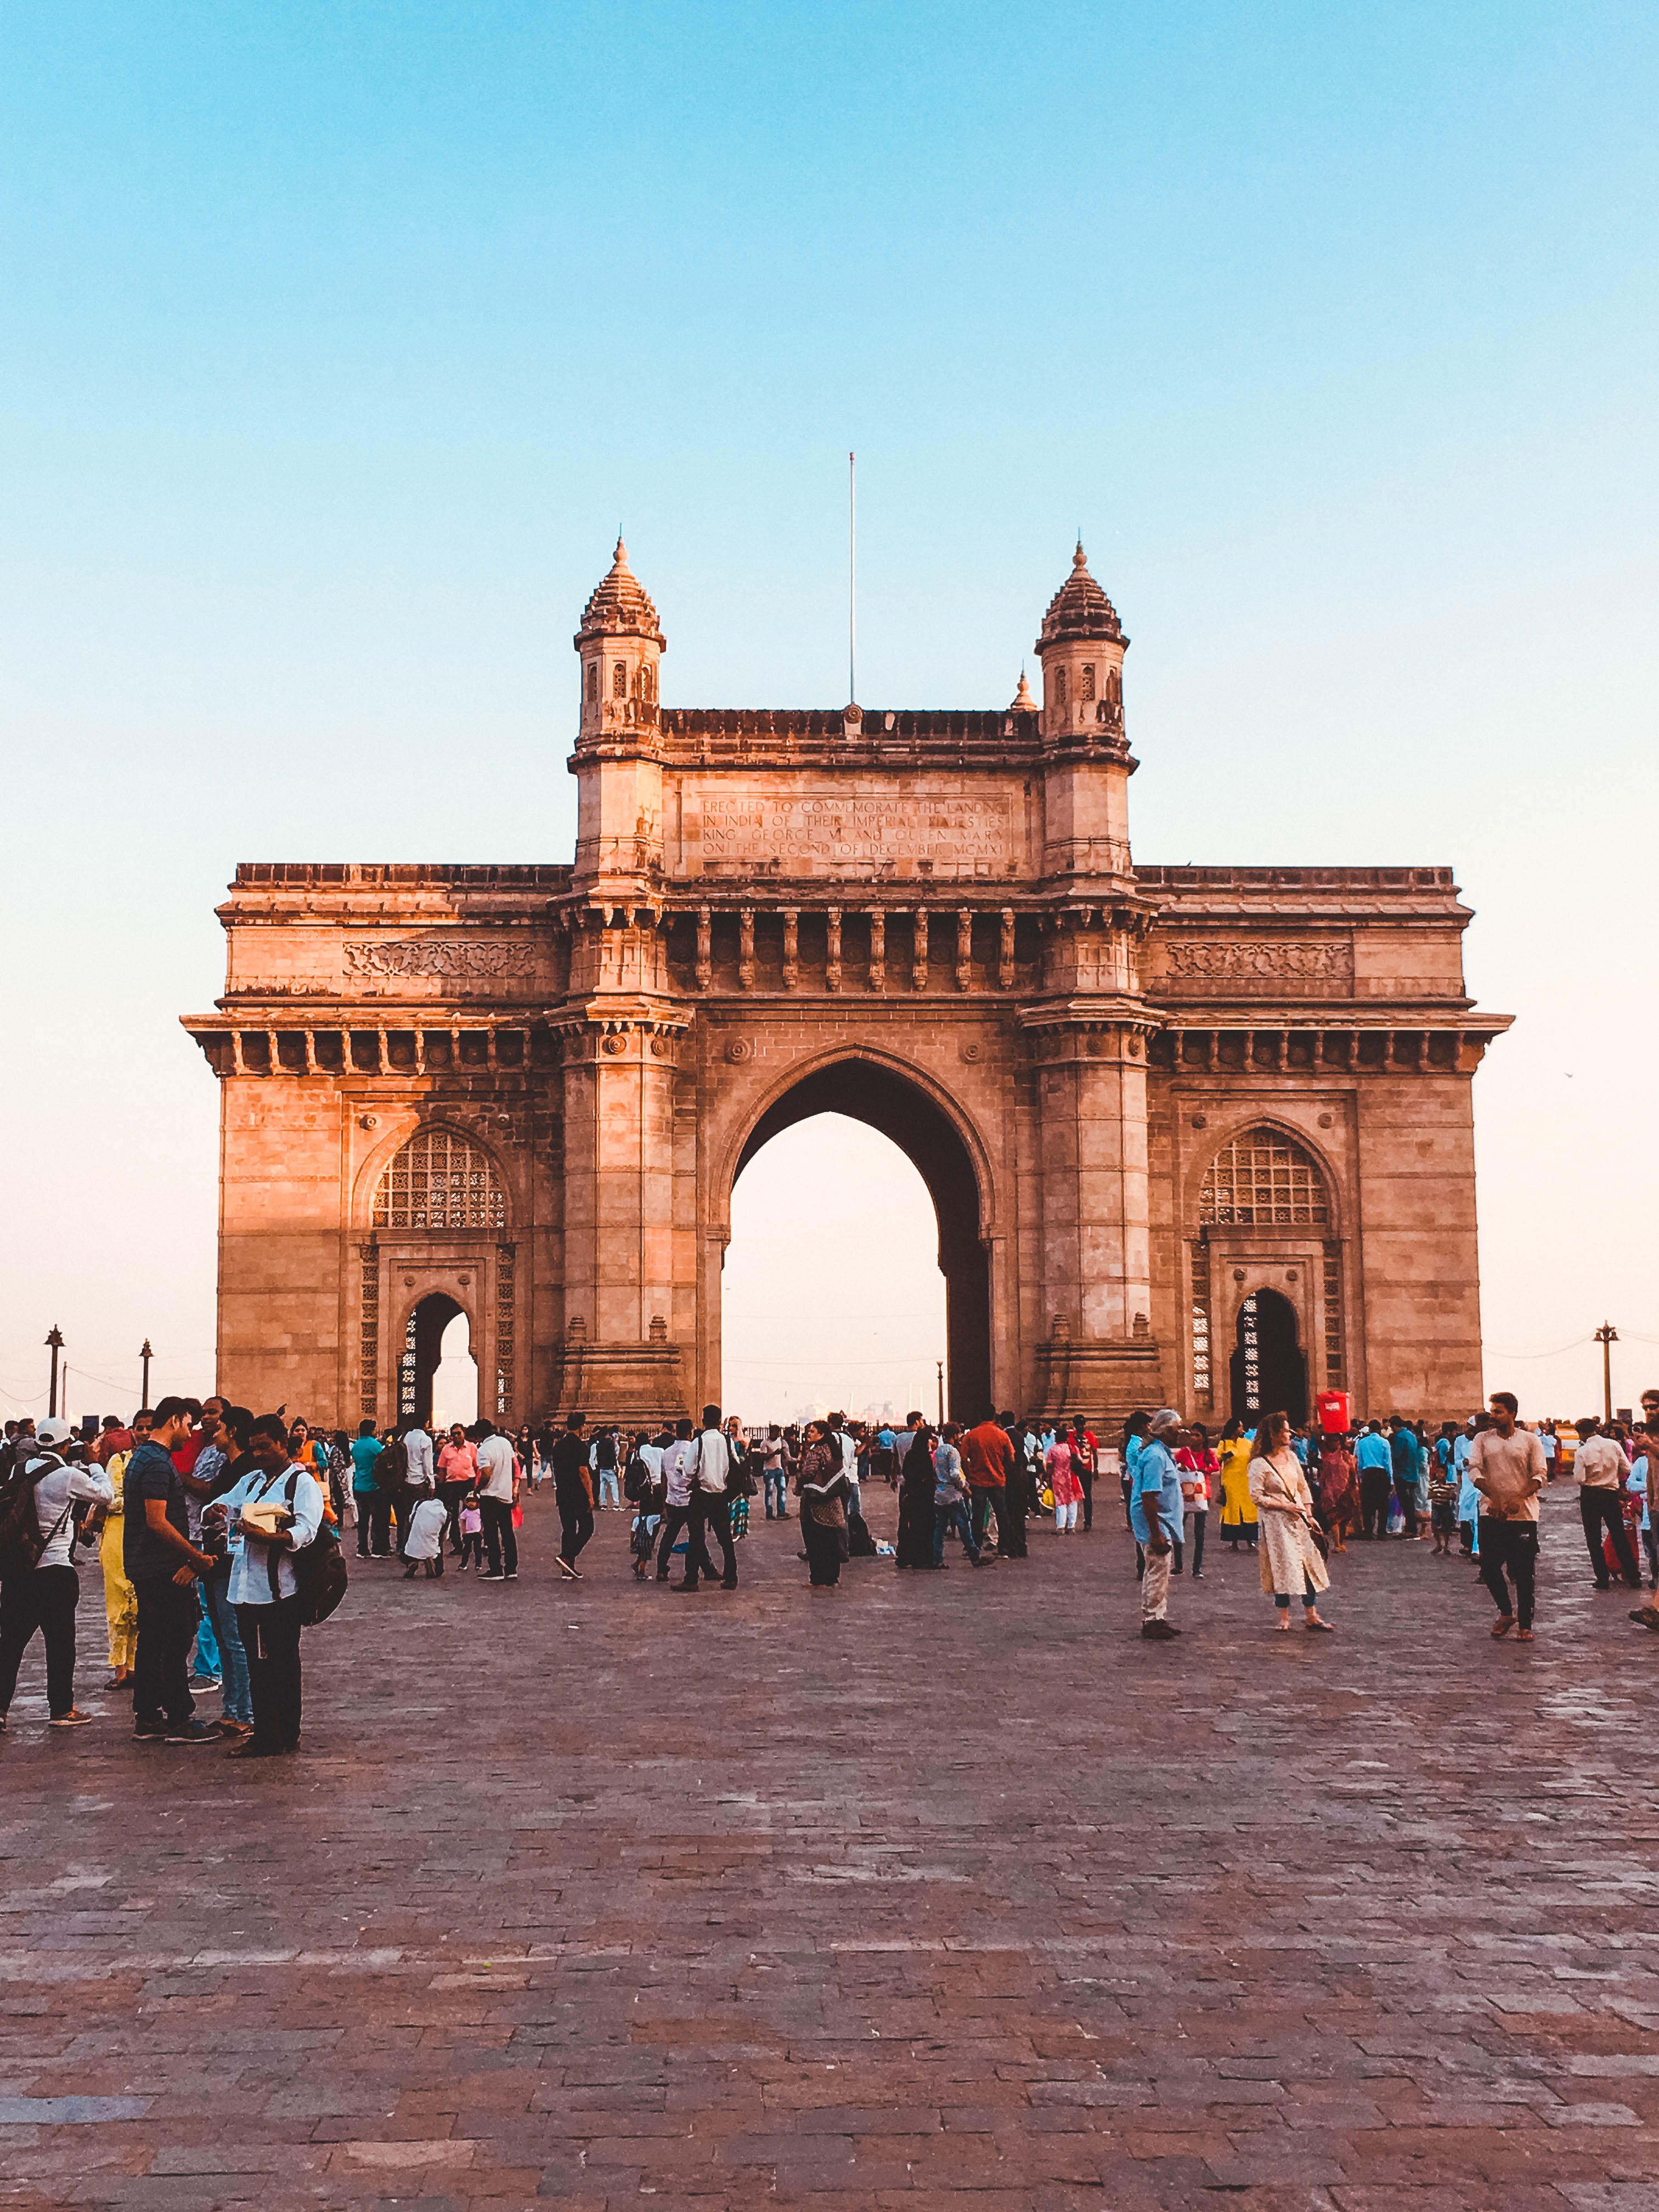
pixel 263 1588
pixel 38 1585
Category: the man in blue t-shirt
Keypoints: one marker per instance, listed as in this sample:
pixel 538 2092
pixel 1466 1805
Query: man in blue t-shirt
pixel 366 1448
pixel 1406 1453
pixel 1155 1515
pixel 1376 1464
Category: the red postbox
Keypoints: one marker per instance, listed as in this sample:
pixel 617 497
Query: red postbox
pixel 1334 1417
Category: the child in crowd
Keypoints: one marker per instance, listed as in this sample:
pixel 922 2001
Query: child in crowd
pixel 425 1538
pixel 471 1532
pixel 1443 1488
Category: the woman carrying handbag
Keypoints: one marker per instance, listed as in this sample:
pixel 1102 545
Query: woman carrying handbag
pixel 1292 1544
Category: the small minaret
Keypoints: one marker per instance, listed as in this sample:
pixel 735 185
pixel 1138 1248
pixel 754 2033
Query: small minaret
pixel 1085 762
pixel 621 646
pixel 1081 649
pixel 618 756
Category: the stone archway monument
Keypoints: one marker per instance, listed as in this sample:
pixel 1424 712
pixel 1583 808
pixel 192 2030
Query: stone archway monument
pixel 930 920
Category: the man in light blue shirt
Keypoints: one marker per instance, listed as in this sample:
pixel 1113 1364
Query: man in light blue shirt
pixel 1155 1515
pixel 1376 1463
pixel 263 1587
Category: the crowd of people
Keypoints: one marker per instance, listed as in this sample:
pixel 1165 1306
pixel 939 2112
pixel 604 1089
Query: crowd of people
pixel 218 1531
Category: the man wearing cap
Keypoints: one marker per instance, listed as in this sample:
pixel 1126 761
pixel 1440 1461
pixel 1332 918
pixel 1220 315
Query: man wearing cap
pixel 43 1597
pixel 1155 1518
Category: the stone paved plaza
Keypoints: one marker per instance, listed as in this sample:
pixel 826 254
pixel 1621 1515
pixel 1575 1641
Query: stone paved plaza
pixel 943 1890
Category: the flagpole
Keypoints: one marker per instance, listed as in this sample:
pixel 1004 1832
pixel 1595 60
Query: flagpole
pixel 852 579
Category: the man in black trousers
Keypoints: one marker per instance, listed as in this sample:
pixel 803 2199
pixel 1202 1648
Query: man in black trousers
pixel 573 1493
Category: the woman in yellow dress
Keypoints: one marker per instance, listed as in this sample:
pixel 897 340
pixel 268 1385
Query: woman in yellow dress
pixel 1237 1506
pixel 121 1599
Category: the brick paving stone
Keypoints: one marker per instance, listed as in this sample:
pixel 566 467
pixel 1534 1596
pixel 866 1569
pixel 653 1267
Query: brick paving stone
pixel 946 1891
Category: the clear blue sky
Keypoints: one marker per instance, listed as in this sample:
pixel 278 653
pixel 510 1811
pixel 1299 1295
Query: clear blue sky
pixel 337 342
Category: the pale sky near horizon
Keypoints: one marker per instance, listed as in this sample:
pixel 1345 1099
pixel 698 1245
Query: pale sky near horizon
pixel 337 342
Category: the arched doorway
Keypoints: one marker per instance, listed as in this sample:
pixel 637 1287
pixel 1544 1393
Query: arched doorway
pixel 455 1382
pixel 1269 1369
pixel 866 1092
pixel 423 1336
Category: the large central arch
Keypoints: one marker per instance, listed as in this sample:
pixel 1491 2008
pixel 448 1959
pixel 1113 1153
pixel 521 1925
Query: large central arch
pixel 869 1091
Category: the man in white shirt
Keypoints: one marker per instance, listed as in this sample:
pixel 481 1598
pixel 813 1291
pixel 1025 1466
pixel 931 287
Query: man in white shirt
pixel 418 1445
pixel 1601 1466
pixel 842 1435
pixel 679 1475
pixel 708 1465
pixel 44 1598
pixel 495 1487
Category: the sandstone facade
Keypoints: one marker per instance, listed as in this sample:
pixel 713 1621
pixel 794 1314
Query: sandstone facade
pixel 1202 1136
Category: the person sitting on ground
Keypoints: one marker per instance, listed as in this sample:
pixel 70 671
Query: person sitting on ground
pixel 425 1546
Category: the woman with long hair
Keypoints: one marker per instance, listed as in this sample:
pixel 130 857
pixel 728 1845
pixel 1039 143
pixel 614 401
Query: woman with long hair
pixel 1292 1565
pixel 822 1487
pixel 914 1547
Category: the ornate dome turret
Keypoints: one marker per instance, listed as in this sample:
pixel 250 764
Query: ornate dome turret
pixel 1023 703
pixel 620 607
pixel 1080 608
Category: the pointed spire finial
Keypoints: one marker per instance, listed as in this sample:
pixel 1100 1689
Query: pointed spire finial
pixel 1023 703
pixel 1079 559
pixel 620 557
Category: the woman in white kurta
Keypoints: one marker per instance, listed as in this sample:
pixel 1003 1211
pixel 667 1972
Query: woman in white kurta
pixel 1291 1564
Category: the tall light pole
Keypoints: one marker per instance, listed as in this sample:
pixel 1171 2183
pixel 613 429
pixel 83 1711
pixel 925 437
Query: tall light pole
pixel 55 1340
pixel 940 1366
pixel 146 1355
pixel 1606 1336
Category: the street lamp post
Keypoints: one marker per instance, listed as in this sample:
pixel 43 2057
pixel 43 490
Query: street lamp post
pixel 55 1340
pixel 146 1355
pixel 940 1366
pixel 1606 1336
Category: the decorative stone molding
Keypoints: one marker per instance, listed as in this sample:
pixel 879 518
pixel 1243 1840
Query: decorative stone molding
pixel 445 958
pixel 1250 965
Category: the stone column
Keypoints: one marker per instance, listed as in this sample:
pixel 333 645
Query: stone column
pixel 620 1075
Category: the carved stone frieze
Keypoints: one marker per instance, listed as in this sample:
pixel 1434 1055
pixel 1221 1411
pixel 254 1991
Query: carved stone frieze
pixel 443 959
pixel 1247 966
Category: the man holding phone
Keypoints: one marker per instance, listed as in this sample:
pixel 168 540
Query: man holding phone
pixel 163 1565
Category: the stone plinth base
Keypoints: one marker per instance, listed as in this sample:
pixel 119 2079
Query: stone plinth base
pixel 635 1385
pixel 1104 1379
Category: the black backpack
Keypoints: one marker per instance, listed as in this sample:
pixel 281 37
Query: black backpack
pixel 320 1569
pixel 21 1541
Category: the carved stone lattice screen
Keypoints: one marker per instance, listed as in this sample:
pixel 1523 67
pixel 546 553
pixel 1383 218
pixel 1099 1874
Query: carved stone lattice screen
pixel 439 1181
pixel 1203 1380
pixel 1334 1361
pixel 369 1349
pixel 506 1293
pixel 1263 1179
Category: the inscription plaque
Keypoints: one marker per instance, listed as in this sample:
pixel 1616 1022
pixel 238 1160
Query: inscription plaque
pixel 950 829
